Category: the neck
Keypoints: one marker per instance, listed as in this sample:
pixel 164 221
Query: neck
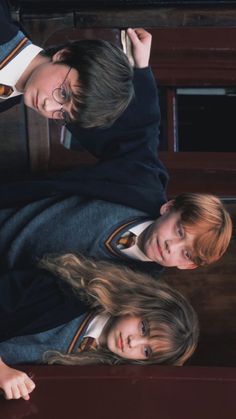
pixel 102 340
pixel 142 238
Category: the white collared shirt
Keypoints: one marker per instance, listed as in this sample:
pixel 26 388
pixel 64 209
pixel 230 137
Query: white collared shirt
pixel 96 326
pixel 134 251
pixel 11 73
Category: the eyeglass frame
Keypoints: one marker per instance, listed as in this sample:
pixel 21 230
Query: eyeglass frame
pixel 65 119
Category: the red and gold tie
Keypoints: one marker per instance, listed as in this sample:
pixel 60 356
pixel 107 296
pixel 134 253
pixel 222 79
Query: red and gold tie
pixel 126 240
pixel 87 344
pixel 5 90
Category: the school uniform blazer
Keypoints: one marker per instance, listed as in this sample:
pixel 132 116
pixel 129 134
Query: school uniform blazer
pixel 129 171
pixel 8 31
pixel 8 28
pixel 30 349
pixel 33 301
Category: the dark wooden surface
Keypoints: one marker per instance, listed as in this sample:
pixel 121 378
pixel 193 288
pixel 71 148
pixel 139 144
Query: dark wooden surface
pixel 132 392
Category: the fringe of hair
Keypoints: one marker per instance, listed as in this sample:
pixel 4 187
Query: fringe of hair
pixel 119 291
pixel 205 216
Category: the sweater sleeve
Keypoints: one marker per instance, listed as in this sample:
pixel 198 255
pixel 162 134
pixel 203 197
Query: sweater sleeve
pixel 125 133
pixel 8 28
pixel 33 301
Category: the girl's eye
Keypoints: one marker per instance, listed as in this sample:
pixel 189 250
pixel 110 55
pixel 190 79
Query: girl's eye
pixel 143 328
pixel 147 352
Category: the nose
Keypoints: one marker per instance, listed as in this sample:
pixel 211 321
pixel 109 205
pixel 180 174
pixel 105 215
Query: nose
pixel 50 105
pixel 173 245
pixel 135 341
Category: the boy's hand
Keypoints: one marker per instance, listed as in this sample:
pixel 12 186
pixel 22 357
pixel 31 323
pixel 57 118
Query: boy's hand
pixel 15 384
pixel 141 46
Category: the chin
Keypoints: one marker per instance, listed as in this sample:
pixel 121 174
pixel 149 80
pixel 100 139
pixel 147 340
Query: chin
pixel 29 104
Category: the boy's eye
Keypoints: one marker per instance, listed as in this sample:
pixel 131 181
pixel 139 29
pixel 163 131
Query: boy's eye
pixel 187 255
pixel 64 96
pixel 180 231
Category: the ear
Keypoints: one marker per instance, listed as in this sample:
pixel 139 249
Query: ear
pixel 166 207
pixel 187 266
pixel 58 55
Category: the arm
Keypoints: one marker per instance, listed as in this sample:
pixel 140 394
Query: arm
pixel 137 120
pixel 14 383
pixel 129 171
pixel 26 299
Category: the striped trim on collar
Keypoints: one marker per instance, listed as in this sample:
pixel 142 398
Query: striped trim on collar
pixel 81 329
pixel 13 52
pixel 108 241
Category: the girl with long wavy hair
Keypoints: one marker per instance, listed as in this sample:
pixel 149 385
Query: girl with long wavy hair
pixel 132 318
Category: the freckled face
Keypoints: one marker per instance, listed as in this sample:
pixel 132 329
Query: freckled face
pixel 128 338
pixel 40 85
pixel 167 243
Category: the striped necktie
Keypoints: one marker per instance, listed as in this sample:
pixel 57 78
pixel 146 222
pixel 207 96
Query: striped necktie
pixel 5 90
pixel 126 240
pixel 87 344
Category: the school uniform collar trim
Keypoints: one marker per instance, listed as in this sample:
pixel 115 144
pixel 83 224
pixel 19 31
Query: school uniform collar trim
pixel 96 326
pixel 10 74
pixel 110 242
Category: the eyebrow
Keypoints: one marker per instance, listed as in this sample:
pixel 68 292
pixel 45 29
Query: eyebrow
pixel 72 94
pixel 69 113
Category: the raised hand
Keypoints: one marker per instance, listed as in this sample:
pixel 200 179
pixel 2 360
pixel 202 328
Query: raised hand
pixel 141 46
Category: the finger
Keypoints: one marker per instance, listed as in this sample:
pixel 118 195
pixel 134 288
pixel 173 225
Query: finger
pixel 30 385
pixel 7 392
pixel 24 392
pixel 142 34
pixel 15 392
pixel 133 37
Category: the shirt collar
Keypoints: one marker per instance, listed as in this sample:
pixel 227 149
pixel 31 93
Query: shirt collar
pixel 11 73
pixel 134 251
pixel 96 326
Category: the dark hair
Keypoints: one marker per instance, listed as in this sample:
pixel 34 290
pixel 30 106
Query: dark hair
pixel 105 80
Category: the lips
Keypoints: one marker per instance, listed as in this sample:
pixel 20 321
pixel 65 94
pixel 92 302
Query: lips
pixel 160 251
pixel 120 343
pixel 36 101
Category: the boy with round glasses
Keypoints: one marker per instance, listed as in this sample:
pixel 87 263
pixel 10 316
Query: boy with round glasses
pixel 89 81
pixel 117 208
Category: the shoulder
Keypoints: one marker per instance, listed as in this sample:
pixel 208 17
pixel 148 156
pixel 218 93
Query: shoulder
pixel 8 28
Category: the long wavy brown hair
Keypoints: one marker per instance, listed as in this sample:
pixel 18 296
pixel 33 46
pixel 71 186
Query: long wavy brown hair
pixel 119 291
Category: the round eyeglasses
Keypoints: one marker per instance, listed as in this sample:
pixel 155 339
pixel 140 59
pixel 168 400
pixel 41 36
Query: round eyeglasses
pixel 62 96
